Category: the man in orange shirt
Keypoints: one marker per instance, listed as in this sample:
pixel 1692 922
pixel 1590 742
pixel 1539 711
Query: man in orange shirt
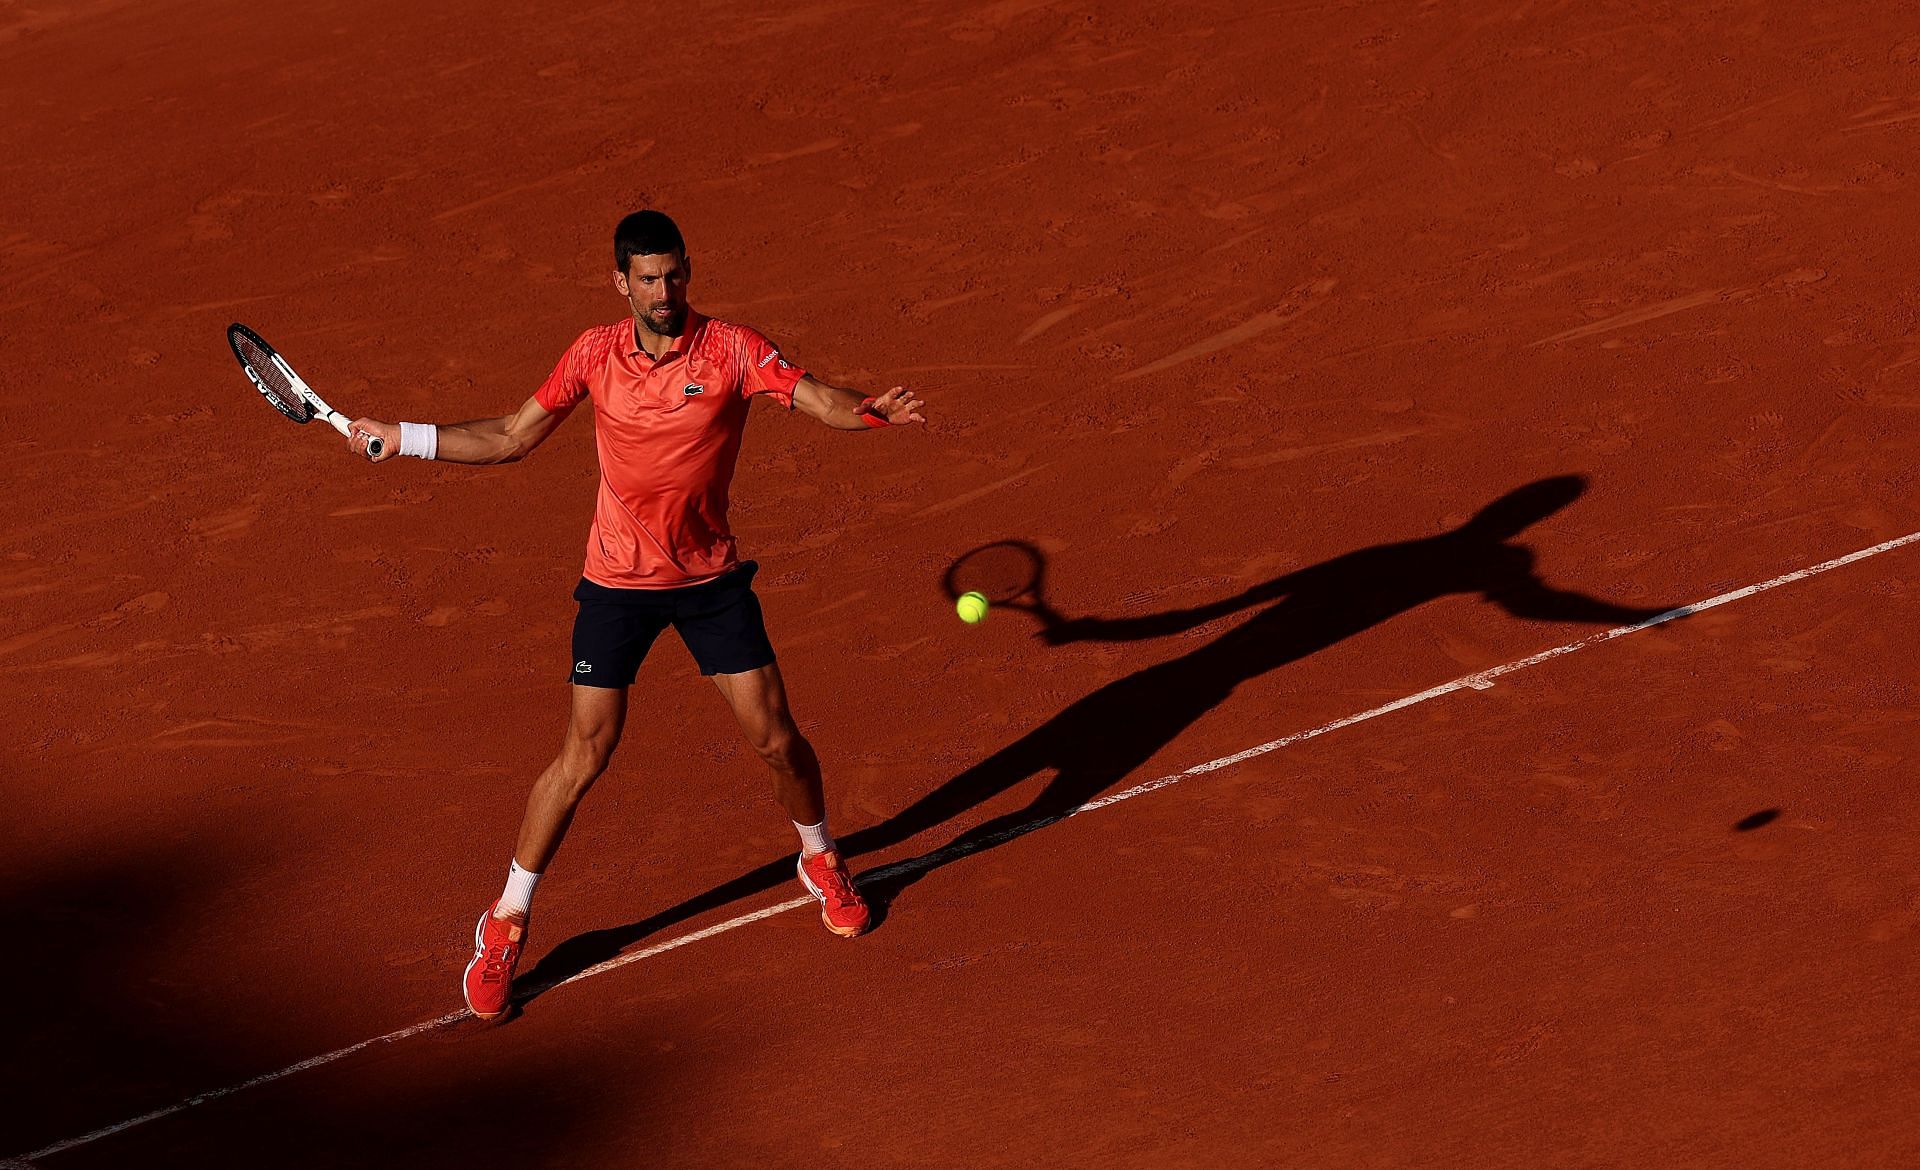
pixel 670 390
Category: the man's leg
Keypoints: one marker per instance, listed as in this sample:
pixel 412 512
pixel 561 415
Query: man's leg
pixel 759 701
pixel 593 730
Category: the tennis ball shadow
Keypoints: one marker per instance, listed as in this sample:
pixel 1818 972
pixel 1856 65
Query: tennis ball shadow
pixel 1761 819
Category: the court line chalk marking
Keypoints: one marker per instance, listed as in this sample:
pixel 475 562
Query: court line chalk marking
pixel 1479 681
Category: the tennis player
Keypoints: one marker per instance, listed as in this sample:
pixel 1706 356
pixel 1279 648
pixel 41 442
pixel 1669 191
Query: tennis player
pixel 670 390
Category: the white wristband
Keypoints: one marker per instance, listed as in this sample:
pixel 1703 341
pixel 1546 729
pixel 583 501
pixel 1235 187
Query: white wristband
pixel 420 440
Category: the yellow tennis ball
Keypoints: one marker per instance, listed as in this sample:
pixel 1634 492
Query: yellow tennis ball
pixel 972 608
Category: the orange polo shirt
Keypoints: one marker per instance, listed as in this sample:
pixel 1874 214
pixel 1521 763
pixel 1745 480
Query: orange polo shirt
pixel 668 433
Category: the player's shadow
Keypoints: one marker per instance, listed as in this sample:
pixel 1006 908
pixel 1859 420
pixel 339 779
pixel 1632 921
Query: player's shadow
pixel 1103 738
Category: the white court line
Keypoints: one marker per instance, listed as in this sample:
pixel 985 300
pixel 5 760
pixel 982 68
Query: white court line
pixel 1477 682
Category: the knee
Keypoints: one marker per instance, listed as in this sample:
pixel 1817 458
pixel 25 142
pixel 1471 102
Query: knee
pixel 781 747
pixel 586 752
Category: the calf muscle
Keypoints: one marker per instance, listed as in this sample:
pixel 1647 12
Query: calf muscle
pixel 593 731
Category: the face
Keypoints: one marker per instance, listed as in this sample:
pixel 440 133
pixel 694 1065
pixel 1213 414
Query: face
pixel 656 287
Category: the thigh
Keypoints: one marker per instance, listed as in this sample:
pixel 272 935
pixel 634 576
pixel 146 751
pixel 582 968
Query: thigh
pixel 610 640
pixel 596 716
pixel 723 627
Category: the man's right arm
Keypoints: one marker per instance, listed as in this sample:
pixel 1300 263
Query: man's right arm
pixel 488 440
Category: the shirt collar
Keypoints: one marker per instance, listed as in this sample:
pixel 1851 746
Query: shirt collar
pixel 681 344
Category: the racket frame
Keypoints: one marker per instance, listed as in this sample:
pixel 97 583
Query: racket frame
pixel 316 406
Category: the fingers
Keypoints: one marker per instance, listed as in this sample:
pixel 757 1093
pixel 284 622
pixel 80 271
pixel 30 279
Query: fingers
pixel 901 406
pixel 360 435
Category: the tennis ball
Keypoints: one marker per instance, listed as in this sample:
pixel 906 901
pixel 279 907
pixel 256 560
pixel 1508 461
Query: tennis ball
pixel 972 608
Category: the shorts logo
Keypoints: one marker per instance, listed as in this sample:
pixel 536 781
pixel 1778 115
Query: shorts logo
pixel 583 668
pixel 692 388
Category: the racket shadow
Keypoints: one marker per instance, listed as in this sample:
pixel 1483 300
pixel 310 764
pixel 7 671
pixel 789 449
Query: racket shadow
pixel 1105 737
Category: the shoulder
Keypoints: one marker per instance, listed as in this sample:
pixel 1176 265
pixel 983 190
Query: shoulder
pixel 593 346
pixel 730 335
pixel 730 341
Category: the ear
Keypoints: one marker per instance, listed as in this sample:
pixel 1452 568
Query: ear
pixel 620 283
pixel 686 265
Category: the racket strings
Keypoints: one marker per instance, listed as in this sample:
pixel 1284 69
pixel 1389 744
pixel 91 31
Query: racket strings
pixel 999 572
pixel 273 381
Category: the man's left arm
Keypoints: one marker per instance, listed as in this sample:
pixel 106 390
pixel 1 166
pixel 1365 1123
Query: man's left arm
pixel 849 410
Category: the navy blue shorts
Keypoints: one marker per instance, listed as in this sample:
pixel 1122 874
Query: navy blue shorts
pixel 719 620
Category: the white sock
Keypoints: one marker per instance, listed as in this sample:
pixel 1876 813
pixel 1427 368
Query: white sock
pixel 518 896
pixel 815 838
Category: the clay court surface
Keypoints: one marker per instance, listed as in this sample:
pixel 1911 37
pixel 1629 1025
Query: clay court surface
pixel 1213 303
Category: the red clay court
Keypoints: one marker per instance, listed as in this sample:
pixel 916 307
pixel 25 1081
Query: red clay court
pixel 1329 353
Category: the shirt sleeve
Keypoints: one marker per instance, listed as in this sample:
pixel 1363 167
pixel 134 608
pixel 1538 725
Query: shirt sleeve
pixel 765 371
pixel 567 385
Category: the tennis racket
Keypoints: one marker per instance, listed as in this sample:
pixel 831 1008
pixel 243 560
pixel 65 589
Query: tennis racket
pixel 1009 573
pixel 284 390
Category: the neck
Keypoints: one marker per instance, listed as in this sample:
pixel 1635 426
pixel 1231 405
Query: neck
pixel 656 344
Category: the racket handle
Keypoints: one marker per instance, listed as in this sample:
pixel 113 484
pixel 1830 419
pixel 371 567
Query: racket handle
pixel 375 444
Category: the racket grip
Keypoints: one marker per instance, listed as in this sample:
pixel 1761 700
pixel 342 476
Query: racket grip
pixel 375 444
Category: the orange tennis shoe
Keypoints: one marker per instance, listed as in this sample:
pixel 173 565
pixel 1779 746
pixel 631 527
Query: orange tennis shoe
pixel 841 907
pixel 488 984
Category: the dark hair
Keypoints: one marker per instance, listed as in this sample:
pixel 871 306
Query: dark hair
pixel 645 233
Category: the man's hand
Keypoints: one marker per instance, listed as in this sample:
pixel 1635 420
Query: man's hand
pixel 849 410
pixel 898 406
pixel 362 429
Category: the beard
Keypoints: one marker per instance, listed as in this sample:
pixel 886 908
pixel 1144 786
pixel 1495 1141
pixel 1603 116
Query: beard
pixel 663 327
